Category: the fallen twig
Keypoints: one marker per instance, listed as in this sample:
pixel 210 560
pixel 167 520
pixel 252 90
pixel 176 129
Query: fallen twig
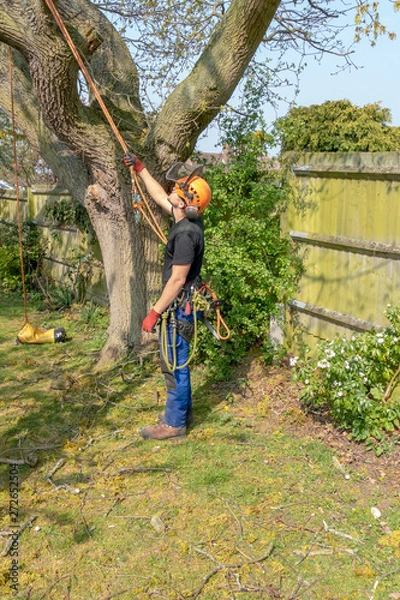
pixel 92 440
pixel 57 466
pixel 9 542
pixel 304 555
pixel 379 579
pixel 344 535
pixel 63 486
pixel 29 460
pixel 131 517
pixel 221 566
pixel 6 532
pixel 127 470
pixel 308 552
pixel 53 585
pixel 86 526
pixel 117 500
pixel 34 449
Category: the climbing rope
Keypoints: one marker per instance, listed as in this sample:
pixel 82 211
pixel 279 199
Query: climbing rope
pixel 165 345
pixel 142 205
pixel 14 138
pixel 139 203
pixel 28 334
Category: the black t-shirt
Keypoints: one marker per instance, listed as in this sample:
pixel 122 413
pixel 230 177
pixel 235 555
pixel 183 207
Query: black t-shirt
pixel 185 246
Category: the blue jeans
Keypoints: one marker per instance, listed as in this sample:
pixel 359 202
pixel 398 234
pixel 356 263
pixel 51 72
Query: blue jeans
pixel 179 389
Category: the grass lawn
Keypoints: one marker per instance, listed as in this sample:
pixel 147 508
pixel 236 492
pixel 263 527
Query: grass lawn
pixel 258 501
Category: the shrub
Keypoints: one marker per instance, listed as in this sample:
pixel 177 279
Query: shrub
pixel 338 126
pixel 356 380
pixel 248 262
pixel 33 252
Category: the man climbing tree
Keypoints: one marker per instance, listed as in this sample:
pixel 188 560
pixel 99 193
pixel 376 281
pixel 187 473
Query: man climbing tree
pixel 68 128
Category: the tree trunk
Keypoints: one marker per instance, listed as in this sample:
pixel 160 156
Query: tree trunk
pixel 124 267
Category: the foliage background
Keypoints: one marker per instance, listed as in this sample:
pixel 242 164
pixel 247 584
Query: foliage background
pixel 338 126
pixel 33 252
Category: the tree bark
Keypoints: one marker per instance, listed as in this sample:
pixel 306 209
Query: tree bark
pixel 76 141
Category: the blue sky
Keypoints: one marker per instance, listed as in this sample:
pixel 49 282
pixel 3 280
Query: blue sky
pixel 377 78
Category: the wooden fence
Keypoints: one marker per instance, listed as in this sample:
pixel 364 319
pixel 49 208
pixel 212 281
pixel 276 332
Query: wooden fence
pixel 347 223
pixel 65 243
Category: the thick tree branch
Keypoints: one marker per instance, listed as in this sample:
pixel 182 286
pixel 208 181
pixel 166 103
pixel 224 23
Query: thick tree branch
pixel 197 100
pixel 69 168
pixel 53 73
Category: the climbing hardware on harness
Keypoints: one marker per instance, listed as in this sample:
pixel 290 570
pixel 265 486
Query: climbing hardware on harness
pixel 201 302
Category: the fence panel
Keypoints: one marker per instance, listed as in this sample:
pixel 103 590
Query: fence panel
pixel 64 242
pixel 347 223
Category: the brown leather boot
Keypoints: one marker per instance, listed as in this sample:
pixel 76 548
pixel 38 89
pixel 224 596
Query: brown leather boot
pixel 162 432
pixel 189 418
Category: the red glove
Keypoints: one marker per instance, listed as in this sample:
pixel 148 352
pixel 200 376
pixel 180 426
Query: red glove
pixel 131 160
pixel 150 321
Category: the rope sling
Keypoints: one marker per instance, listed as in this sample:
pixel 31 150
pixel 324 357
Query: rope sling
pixel 140 203
pixel 28 334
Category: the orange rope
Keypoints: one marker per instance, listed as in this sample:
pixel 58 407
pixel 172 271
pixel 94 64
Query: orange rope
pixel 154 224
pixel 220 320
pixel 21 255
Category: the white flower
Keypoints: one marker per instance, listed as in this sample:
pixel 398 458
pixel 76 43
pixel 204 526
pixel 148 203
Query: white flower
pixel 323 364
pixel 380 340
pixel 293 360
pixel 340 394
pixel 330 353
pixel 306 381
pixel 347 365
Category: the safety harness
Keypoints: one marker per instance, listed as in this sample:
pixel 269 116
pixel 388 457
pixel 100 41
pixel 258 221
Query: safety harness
pixel 196 299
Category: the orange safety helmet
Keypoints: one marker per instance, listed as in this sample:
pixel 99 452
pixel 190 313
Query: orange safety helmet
pixel 196 194
pixel 192 189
